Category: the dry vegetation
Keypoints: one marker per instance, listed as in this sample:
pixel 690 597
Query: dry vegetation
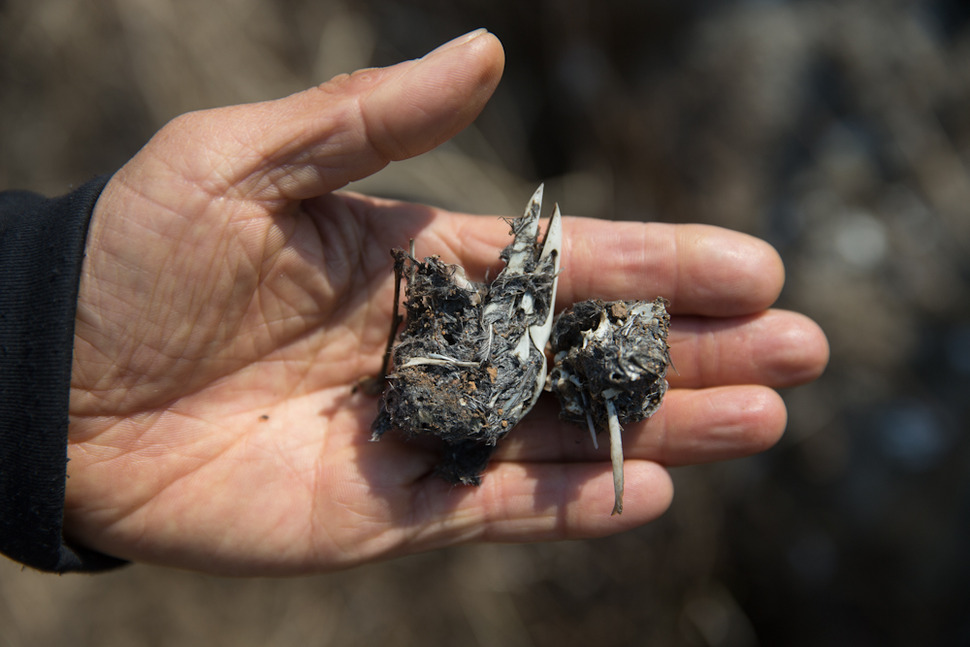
pixel 837 129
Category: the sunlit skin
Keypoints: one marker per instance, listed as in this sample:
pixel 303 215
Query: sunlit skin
pixel 230 300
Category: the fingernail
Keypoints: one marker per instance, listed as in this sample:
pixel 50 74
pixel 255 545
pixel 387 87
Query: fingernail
pixel 461 40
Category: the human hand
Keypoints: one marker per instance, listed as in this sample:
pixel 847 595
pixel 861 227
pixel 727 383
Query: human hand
pixel 230 300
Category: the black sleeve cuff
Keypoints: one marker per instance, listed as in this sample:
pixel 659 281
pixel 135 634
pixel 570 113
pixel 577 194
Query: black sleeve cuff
pixel 41 251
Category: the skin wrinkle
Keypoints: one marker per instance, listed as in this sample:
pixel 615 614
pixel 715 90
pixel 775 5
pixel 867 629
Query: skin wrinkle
pixel 114 370
pixel 661 436
pixel 260 377
pixel 733 258
pixel 580 247
pixel 254 154
pixel 180 352
pixel 339 241
pixel 366 131
pixel 232 168
pixel 369 283
pixel 309 303
pixel 195 172
pixel 728 432
pixel 790 349
pixel 720 348
pixel 354 328
pixel 102 228
pixel 319 530
pixel 388 148
pixel 467 243
pixel 707 355
pixel 159 486
pixel 708 446
pixel 82 439
pixel 770 358
pixel 272 325
pixel 561 507
pixel 220 184
pixel 495 509
pixel 492 501
pixel 301 366
pixel 677 272
pixel 626 251
pixel 290 156
pixel 153 292
pixel 374 259
pixel 149 427
pixel 713 343
pixel 349 552
pixel 676 341
pixel 423 507
pixel 470 526
pixel 328 163
pixel 458 247
pixel 699 289
pixel 714 431
pixel 760 403
pixel 394 143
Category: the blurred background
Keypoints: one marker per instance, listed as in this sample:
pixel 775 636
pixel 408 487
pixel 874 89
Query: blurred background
pixel 838 130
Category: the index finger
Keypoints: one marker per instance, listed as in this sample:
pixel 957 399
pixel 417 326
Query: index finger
pixel 700 269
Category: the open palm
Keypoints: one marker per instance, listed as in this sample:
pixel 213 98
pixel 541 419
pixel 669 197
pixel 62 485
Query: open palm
pixel 230 301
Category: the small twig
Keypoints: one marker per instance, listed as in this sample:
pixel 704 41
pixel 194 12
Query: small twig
pixel 397 318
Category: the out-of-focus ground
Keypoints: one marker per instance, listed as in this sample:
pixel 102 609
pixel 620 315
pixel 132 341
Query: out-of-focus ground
pixel 839 130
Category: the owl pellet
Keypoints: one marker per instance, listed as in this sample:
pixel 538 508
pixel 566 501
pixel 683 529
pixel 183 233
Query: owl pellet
pixel 609 368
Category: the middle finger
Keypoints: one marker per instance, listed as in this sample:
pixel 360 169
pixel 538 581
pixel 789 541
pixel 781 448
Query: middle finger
pixel 776 348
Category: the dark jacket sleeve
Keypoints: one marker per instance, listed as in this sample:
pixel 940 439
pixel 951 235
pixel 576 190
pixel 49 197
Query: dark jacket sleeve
pixel 41 250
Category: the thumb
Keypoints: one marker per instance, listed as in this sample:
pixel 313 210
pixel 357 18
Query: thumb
pixel 318 140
